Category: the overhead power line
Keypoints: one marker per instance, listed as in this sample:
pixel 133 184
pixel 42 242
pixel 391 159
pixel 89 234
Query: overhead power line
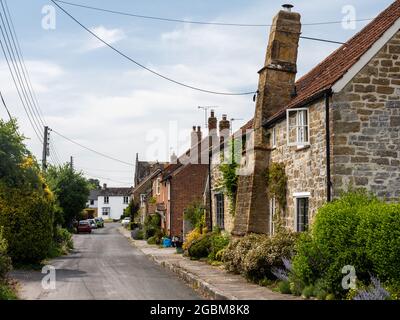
pixel 228 24
pixel 92 150
pixel 146 68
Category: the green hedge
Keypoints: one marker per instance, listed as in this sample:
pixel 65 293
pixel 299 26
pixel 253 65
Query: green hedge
pixel 27 220
pixel 356 230
pixel 5 261
pixel 151 226
pixel 209 245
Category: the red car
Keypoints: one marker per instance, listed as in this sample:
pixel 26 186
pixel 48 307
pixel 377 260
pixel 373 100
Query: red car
pixel 84 226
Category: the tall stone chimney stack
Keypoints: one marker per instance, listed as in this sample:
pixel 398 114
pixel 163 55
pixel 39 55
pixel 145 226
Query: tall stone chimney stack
pixel 212 124
pixel 276 88
pixel 224 128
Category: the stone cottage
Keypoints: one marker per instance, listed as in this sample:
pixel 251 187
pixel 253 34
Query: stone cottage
pixel 337 126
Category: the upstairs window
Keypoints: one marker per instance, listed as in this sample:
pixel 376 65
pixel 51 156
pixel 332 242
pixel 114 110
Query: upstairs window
pixel 158 186
pixel 142 199
pixel 126 200
pixel 273 138
pixel 298 128
pixel 106 200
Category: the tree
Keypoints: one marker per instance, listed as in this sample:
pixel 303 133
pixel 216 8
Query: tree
pixel 26 202
pixel 132 210
pixel 71 190
pixel 94 184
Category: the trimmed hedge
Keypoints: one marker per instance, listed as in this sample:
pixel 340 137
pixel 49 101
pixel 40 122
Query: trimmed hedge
pixel 356 230
pixel 27 220
pixel 207 245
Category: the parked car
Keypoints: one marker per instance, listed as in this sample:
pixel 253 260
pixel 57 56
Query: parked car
pixel 126 221
pixel 99 222
pixel 93 223
pixel 84 227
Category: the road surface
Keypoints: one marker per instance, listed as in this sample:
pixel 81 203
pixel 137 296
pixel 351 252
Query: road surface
pixel 104 265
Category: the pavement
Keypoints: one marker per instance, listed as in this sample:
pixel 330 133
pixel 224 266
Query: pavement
pixel 103 266
pixel 211 282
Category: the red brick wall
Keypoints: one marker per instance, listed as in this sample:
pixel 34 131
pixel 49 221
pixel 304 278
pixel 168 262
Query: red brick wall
pixel 187 185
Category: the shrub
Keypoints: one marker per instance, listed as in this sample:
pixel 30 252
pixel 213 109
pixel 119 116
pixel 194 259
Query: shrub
pixel 356 230
pixel 201 247
pixel 308 292
pixel 194 213
pixel 27 220
pixel 5 261
pixel 261 260
pixel 218 242
pixel 192 236
pixel 152 225
pixel 64 238
pixel 151 240
pixel 236 251
pixel 284 287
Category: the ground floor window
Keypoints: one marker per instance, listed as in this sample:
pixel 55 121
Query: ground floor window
pixel 220 210
pixel 272 217
pixel 302 213
pixel 106 211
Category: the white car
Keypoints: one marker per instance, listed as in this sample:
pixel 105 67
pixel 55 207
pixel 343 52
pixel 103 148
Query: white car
pixel 125 221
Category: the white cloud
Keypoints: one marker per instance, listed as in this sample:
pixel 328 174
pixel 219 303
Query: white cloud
pixel 110 36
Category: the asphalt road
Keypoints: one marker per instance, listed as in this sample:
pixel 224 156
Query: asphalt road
pixel 104 265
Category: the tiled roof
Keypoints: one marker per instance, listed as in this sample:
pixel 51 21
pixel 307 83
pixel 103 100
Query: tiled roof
pixel 94 194
pixel 116 192
pixel 334 67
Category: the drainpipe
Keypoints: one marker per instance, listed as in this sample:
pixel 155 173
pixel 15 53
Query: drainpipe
pixel 209 188
pixel 328 147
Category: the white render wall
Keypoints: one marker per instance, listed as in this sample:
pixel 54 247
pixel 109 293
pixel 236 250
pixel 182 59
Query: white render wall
pixel 116 205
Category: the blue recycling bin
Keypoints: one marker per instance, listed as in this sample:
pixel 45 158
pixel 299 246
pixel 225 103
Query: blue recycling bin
pixel 167 243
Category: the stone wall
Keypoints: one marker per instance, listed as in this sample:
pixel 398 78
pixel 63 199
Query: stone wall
pixel 366 127
pixel 305 167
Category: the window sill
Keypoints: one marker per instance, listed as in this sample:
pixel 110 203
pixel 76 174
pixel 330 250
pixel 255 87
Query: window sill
pixel 302 148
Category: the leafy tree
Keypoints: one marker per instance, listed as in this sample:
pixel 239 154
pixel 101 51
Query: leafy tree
pixel 26 203
pixel 194 213
pixel 71 190
pixel 132 209
pixel 94 184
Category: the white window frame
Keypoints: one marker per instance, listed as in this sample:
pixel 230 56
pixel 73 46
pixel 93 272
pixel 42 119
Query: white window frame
pixel 299 127
pixel 300 195
pixel 169 190
pixel 103 209
pixel 158 187
pixel 272 212
pixel 127 200
pixel 106 200
pixel 273 137
pixel 142 199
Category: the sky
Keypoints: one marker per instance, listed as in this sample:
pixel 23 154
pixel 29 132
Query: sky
pixel 90 94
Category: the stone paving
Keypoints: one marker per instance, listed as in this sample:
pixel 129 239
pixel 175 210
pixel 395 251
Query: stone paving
pixel 211 281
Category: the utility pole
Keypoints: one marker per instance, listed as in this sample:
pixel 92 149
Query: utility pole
pixel 71 163
pixel 46 149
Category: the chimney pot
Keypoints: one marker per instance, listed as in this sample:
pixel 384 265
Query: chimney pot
pixel 194 128
pixel 104 186
pixel 287 7
pixel 198 129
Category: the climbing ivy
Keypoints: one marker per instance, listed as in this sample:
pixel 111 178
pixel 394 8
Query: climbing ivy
pixel 277 183
pixel 228 167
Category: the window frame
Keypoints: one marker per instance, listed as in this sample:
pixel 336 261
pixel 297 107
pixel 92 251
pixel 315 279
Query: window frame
pixel 220 210
pixel 297 126
pixel 103 210
pixel 106 200
pixel 273 137
pixel 297 197
pixel 158 186
pixel 125 198
pixel 142 199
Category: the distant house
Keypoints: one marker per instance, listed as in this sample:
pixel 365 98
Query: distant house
pixel 93 200
pixel 113 201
